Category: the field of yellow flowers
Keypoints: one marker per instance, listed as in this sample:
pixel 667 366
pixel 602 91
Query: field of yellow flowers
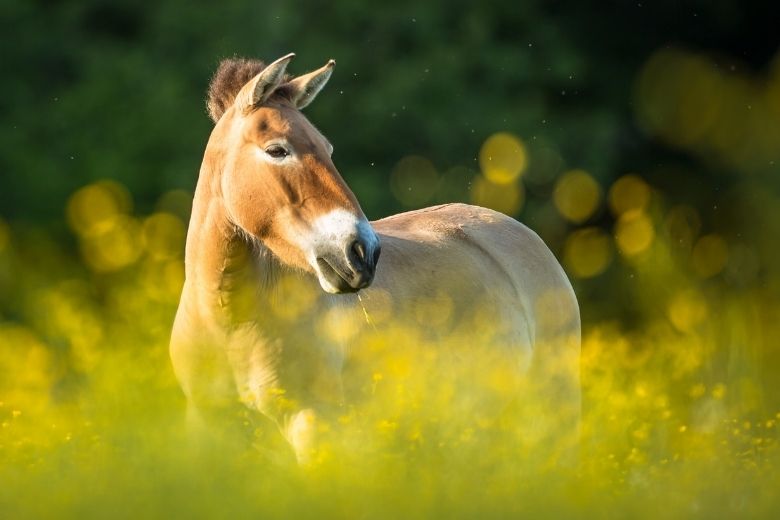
pixel 679 411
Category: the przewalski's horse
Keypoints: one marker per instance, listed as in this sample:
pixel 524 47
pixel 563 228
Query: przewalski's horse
pixel 277 241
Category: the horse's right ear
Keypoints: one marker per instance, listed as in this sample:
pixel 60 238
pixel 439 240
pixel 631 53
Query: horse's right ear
pixel 260 88
pixel 304 89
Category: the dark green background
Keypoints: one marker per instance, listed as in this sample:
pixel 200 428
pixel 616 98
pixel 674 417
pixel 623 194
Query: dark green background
pixel 115 89
pixel 99 89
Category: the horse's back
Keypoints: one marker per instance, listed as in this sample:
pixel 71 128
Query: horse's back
pixel 462 246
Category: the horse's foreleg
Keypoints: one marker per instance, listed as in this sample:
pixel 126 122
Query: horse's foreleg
pixel 301 429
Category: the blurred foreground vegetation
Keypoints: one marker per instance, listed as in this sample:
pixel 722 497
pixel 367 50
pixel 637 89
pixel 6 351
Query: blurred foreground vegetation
pixel 643 145
pixel 679 413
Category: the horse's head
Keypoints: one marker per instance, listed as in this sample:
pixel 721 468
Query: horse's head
pixel 278 182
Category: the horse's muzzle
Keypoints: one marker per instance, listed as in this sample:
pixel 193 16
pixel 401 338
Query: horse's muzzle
pixel 353 269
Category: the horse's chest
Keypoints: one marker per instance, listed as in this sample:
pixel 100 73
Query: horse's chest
pixel 273 370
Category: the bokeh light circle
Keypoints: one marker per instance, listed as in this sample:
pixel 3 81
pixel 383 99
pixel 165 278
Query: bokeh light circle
pixel 686 310
pixel 117 244
pixel 634 232
pixel 678 96
pixel 576 195
pixel 587 252
pixel 164 235
pixel 502 158
pixel 94 206
pixel 628 193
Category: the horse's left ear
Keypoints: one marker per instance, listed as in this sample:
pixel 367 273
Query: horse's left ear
pixel 304 89
pixel 260 88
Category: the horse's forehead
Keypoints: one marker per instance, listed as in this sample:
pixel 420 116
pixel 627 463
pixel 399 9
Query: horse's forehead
pixel 279 119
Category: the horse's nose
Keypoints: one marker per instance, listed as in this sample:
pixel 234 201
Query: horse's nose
pixel 363 255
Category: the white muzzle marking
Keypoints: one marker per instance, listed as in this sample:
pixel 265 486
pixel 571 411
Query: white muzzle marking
pixel 335 230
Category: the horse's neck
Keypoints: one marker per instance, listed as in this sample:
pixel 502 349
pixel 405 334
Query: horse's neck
pixel 226 271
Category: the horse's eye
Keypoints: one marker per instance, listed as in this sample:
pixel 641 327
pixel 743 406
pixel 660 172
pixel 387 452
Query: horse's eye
pixel 277 151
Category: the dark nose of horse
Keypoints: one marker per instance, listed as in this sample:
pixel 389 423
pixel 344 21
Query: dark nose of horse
pixel 363 258
pixel 350 267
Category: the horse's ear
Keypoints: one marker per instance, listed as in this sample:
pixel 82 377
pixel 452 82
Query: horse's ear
pixel 303 89
pixel 260 88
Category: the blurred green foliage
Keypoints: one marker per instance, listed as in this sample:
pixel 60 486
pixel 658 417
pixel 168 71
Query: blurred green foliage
pixel 98 89
pixel 640 140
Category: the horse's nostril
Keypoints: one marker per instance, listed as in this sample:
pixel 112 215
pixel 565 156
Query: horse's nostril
pixel 359 250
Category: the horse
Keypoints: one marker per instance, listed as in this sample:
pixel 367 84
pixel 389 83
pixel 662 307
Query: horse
pixel 277 241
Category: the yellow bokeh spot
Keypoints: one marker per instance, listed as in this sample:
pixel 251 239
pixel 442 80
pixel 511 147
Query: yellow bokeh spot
pixel 93 208
pixel 587 252
pixel 634 232
pixel 164 235
pixel 679 96
pixel 697 390
pixel 414 180
pixel 25 361
pixel 507 199
pixel 163 280
pixel 686 310
pixel 115 244
pixel 628 193
pixel 576 195
pixel 709 255
pixel 502 158
pixel 689 101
